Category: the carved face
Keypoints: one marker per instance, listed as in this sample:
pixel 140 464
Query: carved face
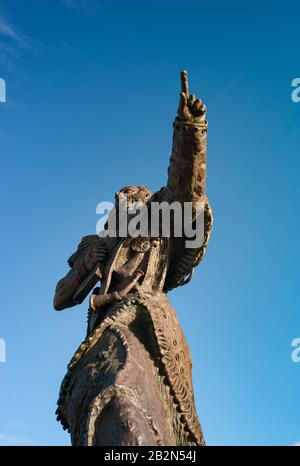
pixel 141 244
pixel 134 197
pixel 133 194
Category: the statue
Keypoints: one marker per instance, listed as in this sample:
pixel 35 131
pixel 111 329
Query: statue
pixel 130 381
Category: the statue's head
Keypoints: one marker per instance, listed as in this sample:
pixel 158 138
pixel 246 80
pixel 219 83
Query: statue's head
pixel 133 194
pixel 129 200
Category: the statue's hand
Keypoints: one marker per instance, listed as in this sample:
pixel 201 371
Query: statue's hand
pixel 93 254
pixel 190 109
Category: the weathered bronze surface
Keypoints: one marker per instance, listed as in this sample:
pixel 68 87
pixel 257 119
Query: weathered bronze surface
pixel 130 381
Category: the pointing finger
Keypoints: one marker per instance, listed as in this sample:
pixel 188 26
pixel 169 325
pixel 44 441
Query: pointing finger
pixel 184 82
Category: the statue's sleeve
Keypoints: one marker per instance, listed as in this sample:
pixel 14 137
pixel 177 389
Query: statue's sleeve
pixel 187 168
pixel 67 287
pixel 187 183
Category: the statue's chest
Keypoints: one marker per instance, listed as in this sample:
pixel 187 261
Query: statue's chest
pixel 144 254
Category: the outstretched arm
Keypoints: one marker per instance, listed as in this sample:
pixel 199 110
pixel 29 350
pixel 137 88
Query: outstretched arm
pixel 89 253
pixel 187 169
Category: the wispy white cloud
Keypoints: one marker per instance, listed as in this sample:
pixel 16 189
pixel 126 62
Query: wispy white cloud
pixel 13 440
pixel 8 30
pixel 297 444
pixel 83 6
pixel 12 40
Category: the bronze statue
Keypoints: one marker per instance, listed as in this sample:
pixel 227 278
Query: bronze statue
pixel 130 381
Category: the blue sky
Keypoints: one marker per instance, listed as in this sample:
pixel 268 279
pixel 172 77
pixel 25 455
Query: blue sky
pixel 92 90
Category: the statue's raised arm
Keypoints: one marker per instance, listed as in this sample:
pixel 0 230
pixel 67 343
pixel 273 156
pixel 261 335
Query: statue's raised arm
pixel 187 181
pixel 187 170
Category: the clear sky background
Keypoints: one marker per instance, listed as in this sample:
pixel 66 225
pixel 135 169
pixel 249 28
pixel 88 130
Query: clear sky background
pixel 92 90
